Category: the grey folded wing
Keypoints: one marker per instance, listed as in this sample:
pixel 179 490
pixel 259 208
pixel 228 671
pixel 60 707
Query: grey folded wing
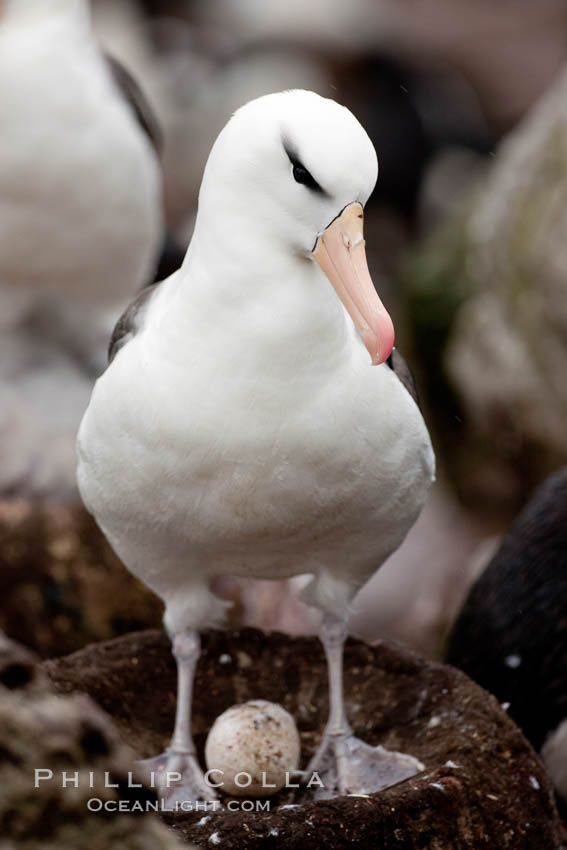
pixel 130 322
pixel 398 365
pixel 136 99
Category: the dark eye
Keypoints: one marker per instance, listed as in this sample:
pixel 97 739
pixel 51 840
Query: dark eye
pixel 300 173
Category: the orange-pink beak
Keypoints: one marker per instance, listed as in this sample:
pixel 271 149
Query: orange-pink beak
pixel 339 250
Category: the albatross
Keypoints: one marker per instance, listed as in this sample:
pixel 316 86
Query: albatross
pixel 81 227
pixel 248 423
pixel 81 208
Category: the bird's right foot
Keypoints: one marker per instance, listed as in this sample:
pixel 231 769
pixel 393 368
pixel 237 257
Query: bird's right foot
pixel 178 780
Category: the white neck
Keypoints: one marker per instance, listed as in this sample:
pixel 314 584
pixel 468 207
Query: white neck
pixel 260 306
pixel 76 12
pixel 255 301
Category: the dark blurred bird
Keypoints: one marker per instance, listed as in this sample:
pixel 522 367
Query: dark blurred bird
pixel 511 635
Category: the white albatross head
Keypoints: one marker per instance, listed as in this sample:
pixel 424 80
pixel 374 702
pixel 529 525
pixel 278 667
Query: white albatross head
pixel 295 170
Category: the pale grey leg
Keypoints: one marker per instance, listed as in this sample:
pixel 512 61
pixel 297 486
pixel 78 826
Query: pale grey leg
pixel 345 764
pixel 333 635
pixel 177 773
pixel 186 649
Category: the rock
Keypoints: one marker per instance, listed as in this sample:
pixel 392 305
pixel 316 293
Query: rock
pixel 483 786
pixel 61 585
pixel 18 667
pixel 487 295
pixel 43 734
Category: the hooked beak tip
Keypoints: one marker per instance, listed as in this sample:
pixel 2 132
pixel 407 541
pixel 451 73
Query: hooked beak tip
pixel 380 341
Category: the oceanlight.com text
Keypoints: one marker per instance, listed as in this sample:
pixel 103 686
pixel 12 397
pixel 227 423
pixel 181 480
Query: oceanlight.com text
pixel 96 804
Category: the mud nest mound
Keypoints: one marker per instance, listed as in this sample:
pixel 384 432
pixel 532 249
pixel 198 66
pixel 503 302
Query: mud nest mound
pixel 61 585
pixel 483 786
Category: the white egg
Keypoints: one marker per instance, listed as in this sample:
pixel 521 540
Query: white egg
pixel 252 749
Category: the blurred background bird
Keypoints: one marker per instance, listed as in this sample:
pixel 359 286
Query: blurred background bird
pixel 511 633
pixel 81 225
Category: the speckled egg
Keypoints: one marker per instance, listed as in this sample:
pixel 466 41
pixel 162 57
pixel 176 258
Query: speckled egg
pixel 251 748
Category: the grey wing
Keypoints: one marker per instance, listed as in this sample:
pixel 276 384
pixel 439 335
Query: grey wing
pixel 398 365
pixel 130 321
pixel 136 99
pixel 172 252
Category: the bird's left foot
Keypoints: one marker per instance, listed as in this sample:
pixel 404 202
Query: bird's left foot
pixel 346 765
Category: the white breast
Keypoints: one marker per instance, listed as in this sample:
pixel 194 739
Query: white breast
pixel 190 476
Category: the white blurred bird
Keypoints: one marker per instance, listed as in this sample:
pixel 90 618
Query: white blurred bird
pixel 241 427
pixel 81 225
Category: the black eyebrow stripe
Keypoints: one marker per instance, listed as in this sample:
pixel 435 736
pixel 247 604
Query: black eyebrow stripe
pixel 295 161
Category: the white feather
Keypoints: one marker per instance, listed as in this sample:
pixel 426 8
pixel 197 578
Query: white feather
pixel 80 185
